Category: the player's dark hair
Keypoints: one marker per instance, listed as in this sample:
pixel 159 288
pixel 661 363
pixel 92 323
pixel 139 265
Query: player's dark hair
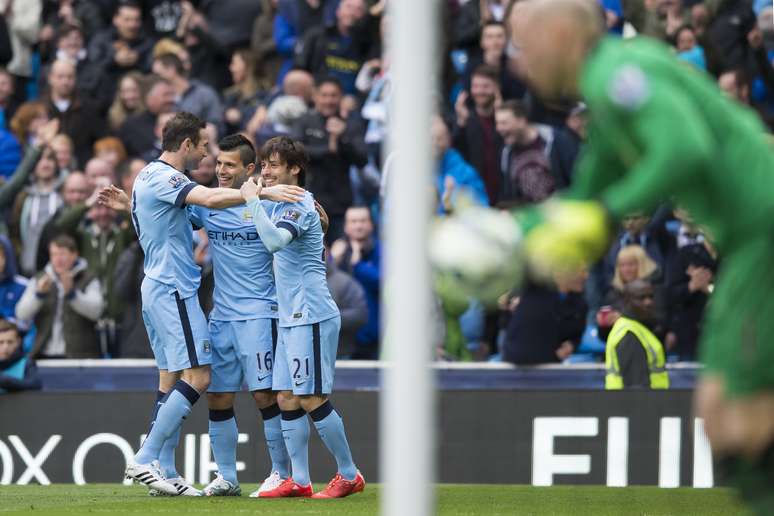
pixel 181 126
pixel 65 241
pixel 488 71
pixel 329 79
pixel 238 142
pixel 289 151
pixel 516 107
pixel 6 325
pixel 170 60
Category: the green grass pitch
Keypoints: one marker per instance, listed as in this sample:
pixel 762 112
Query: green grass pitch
pixel 452 499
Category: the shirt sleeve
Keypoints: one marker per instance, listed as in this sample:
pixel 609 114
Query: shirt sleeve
pixel 172 188
pixel 659 157
pixel 195 216
pixel 295 218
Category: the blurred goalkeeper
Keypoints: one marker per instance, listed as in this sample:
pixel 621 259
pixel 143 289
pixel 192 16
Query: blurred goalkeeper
pixel 660 131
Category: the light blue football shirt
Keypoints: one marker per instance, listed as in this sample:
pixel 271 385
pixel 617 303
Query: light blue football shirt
pixel 299 269
pixel 244 279
pixel 162 225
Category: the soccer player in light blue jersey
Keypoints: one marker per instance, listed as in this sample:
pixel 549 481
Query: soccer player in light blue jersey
pixel 309 323
pixel 176 326
pixel 243 323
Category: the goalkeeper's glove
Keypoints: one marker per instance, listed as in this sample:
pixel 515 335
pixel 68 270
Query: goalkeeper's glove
pixel 571 236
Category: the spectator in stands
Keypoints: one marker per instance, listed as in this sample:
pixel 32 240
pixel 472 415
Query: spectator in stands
pixel 127 172
pixel 474 15
pixel 70 46
pixel 648 232
pixel 121 48
pixel 99 172
pixel 103 237
pixel 665 19
pixel 248 91
pixel 11 284
pixel 334 145
pixel 33 208
pixel 127 278
pixel 10 153
pixel 263 45
pixel 492 52
pixel 454 176
pixel 293 20
pixel 632 263
pixel 736 84
pixel 78 118
pixel 359 254
pixel 17 369
pixel 128 100
pixel 8 104
pixel 63 148
pixel 634 356
pixel 137 132
pixel 297 84
pixel 27 120
pixel 158 129
pixel 350 297
pixel 111 150
pixel 230 22
pixel 726 38
pixel 81 13
pixel 337 50
pixel 614 17
pixel 526 175
pixel 75 194
pixel 547 321
pixel 474 133
pixel 192 96
pixel 283 114
pixel 64 301
pixel 688 48
pixel 203 55
pixel 23 22
pixel 11 188
pixel 690 277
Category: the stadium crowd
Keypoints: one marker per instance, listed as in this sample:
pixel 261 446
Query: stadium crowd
pixel 86 87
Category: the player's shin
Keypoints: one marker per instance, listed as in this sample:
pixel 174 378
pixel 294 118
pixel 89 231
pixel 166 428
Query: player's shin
pixel 272 430
pixel 176 407
pixel 223 439
pixel 331 429
pixel 295 432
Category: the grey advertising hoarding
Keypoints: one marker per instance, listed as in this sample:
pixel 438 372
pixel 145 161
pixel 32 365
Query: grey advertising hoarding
pixel 521 437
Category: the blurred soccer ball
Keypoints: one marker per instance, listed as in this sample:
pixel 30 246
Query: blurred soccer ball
pixel 477 253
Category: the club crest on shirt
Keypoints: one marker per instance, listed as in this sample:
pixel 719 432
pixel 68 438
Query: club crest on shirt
pixel 291 215
pixel 247 215
pixel 177 180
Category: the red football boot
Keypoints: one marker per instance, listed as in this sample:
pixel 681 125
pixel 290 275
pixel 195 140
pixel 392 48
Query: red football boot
pixel 340 487
pixel 288 489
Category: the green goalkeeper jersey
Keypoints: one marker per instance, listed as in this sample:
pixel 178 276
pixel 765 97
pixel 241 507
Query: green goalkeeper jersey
pixel 661 130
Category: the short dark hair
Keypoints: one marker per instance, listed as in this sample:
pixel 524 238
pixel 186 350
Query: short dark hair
pixel 290 151
pixel 493 23
pixel 329 79
pixel 181 126
pixel 6 325
pixel 238 142
pixel 66 29
pixel 516 107
pixel 170 60
pixel 132 4
pixel 65 241
pixel 488 71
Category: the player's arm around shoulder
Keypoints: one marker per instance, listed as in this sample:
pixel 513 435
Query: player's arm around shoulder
pixel 274 237
pixel 214 198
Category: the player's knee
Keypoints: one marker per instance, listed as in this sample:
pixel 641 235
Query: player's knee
pixel 288 401
pixel 220 400
pixel 198 378
pixel 309 403
pixel 264 398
